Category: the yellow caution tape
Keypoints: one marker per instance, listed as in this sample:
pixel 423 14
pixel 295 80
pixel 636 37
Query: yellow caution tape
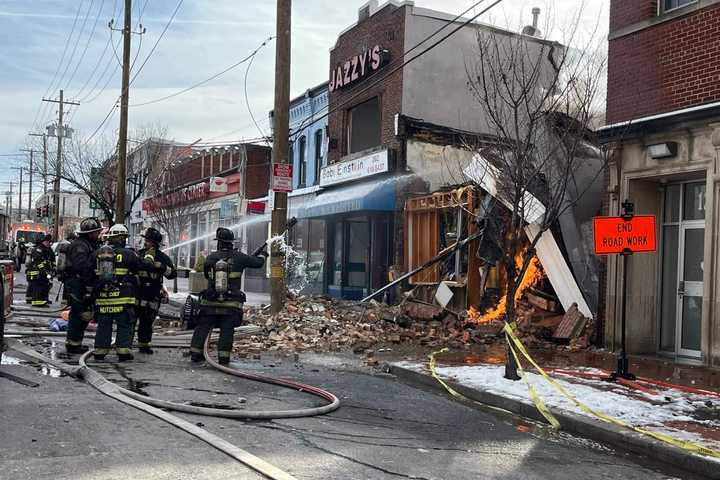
pixel 433 372
pixel 535 397
pixel 539 404
pixel 689 446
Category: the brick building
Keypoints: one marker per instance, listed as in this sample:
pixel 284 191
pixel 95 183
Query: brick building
pixel 393 128
pixel 218 181
pixel 663 129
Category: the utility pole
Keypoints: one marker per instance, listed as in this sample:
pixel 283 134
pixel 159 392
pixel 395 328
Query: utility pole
pixel 280 149
pixel 44 170
pixel 122 148
pixel 60 133
pixel 20 192
pixel 8 202
pixel 30 181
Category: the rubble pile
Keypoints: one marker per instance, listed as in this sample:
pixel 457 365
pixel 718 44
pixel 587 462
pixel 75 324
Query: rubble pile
pixel 326 324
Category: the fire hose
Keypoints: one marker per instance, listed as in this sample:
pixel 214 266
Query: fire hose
pixel 155 406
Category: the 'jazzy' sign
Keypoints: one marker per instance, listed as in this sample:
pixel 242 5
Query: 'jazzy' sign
pixel 358 67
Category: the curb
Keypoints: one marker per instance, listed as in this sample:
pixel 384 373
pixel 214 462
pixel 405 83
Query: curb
pixel 604 433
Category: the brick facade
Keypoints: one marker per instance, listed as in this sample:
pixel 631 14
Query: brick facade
pixel 627 12
pixel 664 67
pixel 387 29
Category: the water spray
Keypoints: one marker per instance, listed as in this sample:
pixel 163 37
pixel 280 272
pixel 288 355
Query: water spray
pixel 290 224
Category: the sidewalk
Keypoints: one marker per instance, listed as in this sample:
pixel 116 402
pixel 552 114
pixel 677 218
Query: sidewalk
pixel 688 414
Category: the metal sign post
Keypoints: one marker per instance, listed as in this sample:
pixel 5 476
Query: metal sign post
pixel 624 235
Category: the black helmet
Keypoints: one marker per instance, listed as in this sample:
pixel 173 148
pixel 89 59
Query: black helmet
pixel 48 238
pixel 153 235
pixel 224 235
pixel 89 225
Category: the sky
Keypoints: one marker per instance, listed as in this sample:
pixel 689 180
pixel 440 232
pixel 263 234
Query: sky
pixel 46 45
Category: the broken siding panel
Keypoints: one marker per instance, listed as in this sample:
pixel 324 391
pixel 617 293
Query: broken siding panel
pixel 558 271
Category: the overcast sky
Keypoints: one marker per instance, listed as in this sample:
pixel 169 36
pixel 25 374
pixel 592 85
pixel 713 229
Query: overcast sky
pixel 205 37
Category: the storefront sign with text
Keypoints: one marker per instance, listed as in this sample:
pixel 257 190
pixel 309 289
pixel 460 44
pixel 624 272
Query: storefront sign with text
pixel 354 169
pixel 616 235
pixel 358 67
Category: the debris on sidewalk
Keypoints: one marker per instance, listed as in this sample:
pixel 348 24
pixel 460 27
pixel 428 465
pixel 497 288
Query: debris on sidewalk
pixel 321 323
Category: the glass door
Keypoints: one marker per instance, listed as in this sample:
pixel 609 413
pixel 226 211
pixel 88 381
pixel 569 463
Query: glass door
pixel 683 247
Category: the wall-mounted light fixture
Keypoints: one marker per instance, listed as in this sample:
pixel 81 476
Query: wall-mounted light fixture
pixel 662 150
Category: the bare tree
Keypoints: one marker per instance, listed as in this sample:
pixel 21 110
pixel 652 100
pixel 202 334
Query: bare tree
pixel 540 100
pixel 91 167
pixel 169 202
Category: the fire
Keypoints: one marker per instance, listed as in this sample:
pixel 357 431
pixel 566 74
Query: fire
pixel 533 276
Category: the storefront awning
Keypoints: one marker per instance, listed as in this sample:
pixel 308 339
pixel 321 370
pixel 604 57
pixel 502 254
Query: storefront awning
pixel 374 196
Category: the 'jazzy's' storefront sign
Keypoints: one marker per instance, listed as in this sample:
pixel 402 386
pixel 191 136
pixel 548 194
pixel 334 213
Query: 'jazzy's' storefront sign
pixel 354 169
pixel 358 67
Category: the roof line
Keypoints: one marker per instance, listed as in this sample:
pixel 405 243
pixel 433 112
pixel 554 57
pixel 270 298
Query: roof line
pixel 659 116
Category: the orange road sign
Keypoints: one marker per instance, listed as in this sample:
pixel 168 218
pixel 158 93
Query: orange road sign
pixel 617 235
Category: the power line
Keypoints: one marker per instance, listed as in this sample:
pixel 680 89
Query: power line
pixel 387 74
pixel 247 102
pixel 162 34
pixel 152 50
pixel 87 44
pixel 57 70
pixel 203 82
pixel 99 62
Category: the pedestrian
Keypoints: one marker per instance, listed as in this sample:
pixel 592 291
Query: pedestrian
pixel 39 272
pixel 221 304
pixel 20 252
pixel 155 265
pixel 79 282
pixel 61 260
pixel 115 294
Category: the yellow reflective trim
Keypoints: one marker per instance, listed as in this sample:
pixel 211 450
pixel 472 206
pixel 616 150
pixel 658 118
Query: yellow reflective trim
pixel 39 302
pixel 142 273
pixel 121 271
pixel 115 301
pixel 235 275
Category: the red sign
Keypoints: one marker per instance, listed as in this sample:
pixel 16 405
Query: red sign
pixel 282 177
pixel 616 235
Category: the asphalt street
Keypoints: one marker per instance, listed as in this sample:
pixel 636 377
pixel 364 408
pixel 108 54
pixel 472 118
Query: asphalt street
pixel 65 429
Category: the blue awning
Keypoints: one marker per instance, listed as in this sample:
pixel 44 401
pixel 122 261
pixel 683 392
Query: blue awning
pixel 373 196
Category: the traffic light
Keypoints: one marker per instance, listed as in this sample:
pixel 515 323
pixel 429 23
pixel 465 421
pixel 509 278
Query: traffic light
pixel 38 212
pixel 45 211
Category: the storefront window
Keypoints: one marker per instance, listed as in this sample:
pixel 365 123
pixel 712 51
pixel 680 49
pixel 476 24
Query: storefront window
pixel 672 203
pixel 318 153
pixel 694 202
pixel 302 162
pixel 358 253
pixel 316 252
pixel 337 254
pixel 364 126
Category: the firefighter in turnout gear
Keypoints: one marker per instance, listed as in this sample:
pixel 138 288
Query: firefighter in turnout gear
pixel 221 305
pixel 115 294
pixel 39 271
pixel 155 266
pixel 79 281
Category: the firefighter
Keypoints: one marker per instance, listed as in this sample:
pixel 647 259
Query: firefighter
pixel 222 302
pixel 39 271
pixel 79 278
pixel 115 294
pixel 155 266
